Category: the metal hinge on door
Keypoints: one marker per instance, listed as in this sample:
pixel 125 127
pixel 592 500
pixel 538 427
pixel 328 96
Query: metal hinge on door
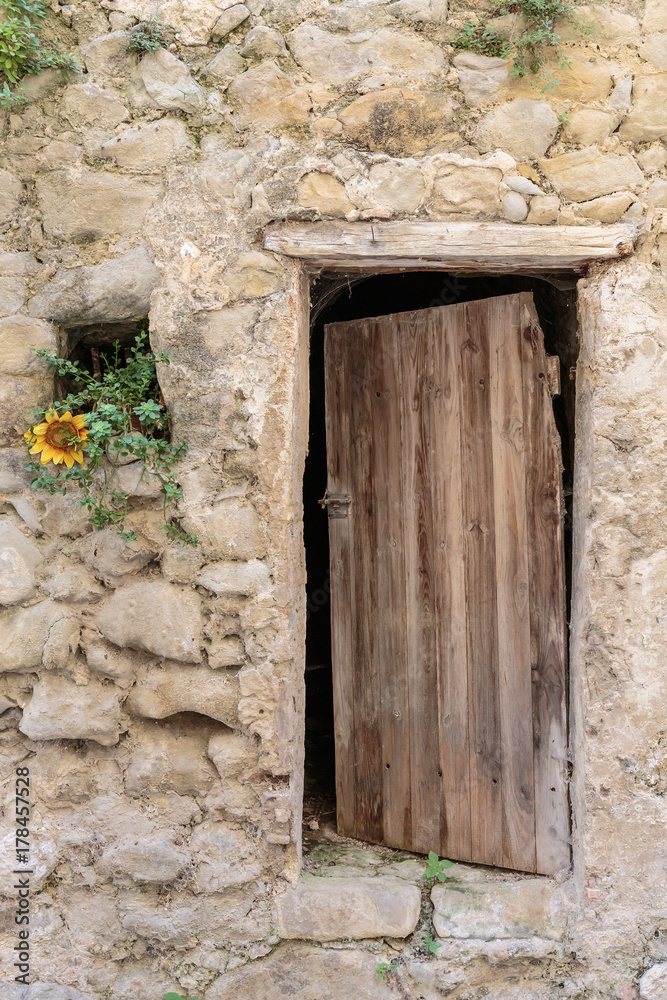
pixel 336 504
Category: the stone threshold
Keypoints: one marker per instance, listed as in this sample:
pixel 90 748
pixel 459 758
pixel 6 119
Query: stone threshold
pixel 362 893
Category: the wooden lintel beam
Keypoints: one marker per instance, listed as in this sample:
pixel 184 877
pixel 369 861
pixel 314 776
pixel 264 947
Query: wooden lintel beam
pixel 462 246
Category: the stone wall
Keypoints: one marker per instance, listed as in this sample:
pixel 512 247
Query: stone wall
pixel 155 690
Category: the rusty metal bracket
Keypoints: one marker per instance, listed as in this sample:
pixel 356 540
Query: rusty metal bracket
pixel 336 504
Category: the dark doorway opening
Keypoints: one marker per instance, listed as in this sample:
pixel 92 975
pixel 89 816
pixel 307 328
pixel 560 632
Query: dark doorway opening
pixel 338 297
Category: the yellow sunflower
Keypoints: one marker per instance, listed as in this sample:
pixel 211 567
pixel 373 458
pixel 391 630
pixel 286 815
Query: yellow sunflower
pixel 59 439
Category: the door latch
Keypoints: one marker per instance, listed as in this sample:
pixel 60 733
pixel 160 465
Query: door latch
pixel 336 504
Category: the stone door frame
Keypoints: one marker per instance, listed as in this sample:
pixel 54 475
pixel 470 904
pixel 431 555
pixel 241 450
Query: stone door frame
pixel 308 248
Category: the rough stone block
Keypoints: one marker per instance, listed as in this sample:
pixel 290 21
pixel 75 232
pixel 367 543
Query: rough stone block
pixel 255 275
pixel 224 856
pixel 83 204
pixel 480 77
pixel 20 337
pixel 229 20
pixel 62 710
pixel 608 209
pixel 19 557
pixel 68 777
pixel 266 98
pixel 163 81
pixel 109 55
pixel 587 78
pixel 467 190
pixel 647 120
pixel 337 59
pixel 653 984
pixel 87 105
pixel 76 586
pixel 13 294
pixel 168 690
pixel 263 43
pixel 24 633
pixel 106 660
pixel 226 651
pixel 655 16
pixel 653 159
pixel 148 148
pixel 112 557
pixel 590 125
pixel 169 762
pixel 18 265
pixel 13 476
pixel 654 50
pixel 224 66
pixel 326 909
pixel 11 190
pixel 114 290
pixel 324 193
pixel 420 11
pixel 143 859
pixel 156 617
pixel 524 909
pixel 398 187
pixel 18 398
pixel 231 530
pixel 305 972
pixel 236 758
pixel 398 121
pixel 588 174
pixel 525 129
pixel 239 578
pixel 608 26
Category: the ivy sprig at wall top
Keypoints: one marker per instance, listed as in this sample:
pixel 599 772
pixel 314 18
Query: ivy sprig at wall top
pixel 113 417
pixel 532 42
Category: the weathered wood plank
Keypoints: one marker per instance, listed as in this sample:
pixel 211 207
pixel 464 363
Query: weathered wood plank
pixel 339 414
pixel 495 246
pixel 481 597
pixel 446 326
pixel 547 601
pixel 509 432
pixel 388 616
pixel 412 330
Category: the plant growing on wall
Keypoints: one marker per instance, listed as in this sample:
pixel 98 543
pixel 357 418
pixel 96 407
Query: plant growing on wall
pixel 532 42
pixel 148 36
pixel 22 52
pixel 119 416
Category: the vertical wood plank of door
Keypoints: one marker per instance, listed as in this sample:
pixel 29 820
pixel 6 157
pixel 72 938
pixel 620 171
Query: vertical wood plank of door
pixel 388 614
pixel 445 327
pixel 547 600
pixel 339 415
pixel 414 331
pixel 366 682
pixel 480 574
pixel 509 431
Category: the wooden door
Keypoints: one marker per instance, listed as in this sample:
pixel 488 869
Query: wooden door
pixel 447 584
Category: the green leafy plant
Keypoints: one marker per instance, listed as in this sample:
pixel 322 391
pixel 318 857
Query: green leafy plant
pixel 478 38
pixel 121 416
pixel 432 946
pixel 148 36
pixel 177 996
pixel 436 868
pixel 383 969
pixel 22 52
pixel 531 44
